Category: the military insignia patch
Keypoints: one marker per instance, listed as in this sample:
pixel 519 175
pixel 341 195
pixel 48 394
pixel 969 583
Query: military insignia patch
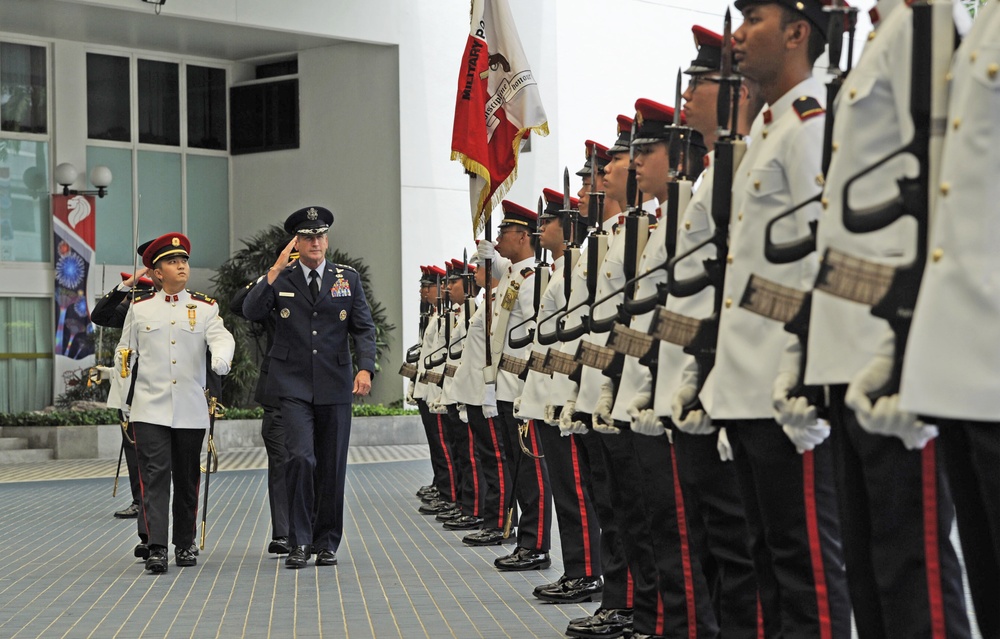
pixel 285 313
pixel 510 297
pixel 341 288
pixel 343 315
pixel 312 214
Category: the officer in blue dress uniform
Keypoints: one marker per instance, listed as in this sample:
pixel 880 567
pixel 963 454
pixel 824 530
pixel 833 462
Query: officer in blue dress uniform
pixel 319 304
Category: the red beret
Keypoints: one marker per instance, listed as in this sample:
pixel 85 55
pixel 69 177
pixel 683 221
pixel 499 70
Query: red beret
pixel 167 245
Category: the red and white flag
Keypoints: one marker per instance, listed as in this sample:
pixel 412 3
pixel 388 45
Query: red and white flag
pixel 496 107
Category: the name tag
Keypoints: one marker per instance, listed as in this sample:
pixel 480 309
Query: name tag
pixel 286 294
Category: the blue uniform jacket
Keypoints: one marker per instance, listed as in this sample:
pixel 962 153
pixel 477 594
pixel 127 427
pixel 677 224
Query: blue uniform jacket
pixel 310 358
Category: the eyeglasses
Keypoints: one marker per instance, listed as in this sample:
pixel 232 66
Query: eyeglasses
pixel 698 79
pixel 508 230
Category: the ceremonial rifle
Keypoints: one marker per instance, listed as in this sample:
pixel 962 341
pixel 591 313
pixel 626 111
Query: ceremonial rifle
pixel 572 236
pixel 541 283
pixel 893 292
pixel 698 336
pixel 770 299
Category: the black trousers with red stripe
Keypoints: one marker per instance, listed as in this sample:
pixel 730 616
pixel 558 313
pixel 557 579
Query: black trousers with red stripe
pixel 572 494
pixel 896 514
pixel 971 452
pixel 686 609
pixel 618 586
pixel 168 456
pixel 491 458
pixel 442 456
pixel 717 526
pixel 794 533
pixel 532 489
pixel 470 483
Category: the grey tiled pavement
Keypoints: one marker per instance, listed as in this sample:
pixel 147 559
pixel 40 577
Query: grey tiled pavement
pixel 66 567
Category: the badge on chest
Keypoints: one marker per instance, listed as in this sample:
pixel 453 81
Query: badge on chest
pixel 341 288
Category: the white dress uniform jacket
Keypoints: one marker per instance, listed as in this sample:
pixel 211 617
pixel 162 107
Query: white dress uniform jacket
pixel 695 227
pixel 780 170
pixel 952 363
pixel 872 119
pixel 427 346
pixel 169 335
pixel 537 387
pixel 509 385
pixel 455 349
pixel 468 386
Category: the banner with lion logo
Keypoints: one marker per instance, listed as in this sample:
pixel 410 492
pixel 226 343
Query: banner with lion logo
pixel 73 232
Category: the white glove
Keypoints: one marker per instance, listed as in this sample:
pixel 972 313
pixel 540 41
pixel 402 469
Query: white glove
pixel 550 415
pixel 567 425
pixel 104 372
pixel 126 412
pixel 723 446
pixel 914 437
pixel 601 418
pixel 791 411
pixel 697 421
pixel 220 366
pixel 644 421
pixel 490 411
pixel 486 251
pixel 807 437
pixel 517 407
pixel 463 414
pixel 409 393
pixel 490 396
pixel 437 408
pixel 884 418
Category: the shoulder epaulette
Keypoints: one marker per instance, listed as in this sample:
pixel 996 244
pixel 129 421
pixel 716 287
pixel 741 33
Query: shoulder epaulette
pixel 201 297
pixel 142 296
pixel 807 107
pixel 527 272
pixel 346 267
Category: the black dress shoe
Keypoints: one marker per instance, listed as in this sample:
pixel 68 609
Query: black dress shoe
pixel 427 490
pixel 605 623
pixel 574 590
pixel 555 584
pixel 326 558
pixel 279 546
pixel 465 522
pixel 430 498
pixel 157 560
pixel 436 507
pixel 523 559
pixel 183 557
pixel 449 515
pixel 128 513
pixel 485 537
pixel 193 549
pixel 298 557
pixel 141 551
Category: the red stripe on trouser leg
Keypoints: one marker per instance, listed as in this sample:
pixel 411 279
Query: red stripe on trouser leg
pixel 660 621
pixel 142 486
pixel 540 533
pixel 932 558
pixel 499 460
pixel 760 619
pixel 475 474
pixel 692 617
pixel 581 502
pixel 815 551
pixel 629 589
pixel 447 459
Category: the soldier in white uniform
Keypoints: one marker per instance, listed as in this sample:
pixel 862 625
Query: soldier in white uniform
pixel 882 480
pixel 949 369
pixel 788 497
pixel 165 338
pixel 525 457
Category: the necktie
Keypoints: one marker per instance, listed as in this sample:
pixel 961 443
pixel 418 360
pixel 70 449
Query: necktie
pixel 314 284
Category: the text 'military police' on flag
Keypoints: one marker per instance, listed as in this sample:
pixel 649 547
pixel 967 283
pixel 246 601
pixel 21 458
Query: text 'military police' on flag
pixel 496 107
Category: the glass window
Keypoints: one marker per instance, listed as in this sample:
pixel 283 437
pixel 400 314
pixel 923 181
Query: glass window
pixel 113 213
pixel 206 107
pixel 23 80
pixel 159 103
pixel 25 354
pixel 159 193
pixel 108 98
pixel 25 213
pixel 208 210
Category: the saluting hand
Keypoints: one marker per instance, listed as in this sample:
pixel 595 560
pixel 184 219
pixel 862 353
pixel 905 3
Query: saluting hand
pixel 135 278
pixel 281 262
pixel 362 383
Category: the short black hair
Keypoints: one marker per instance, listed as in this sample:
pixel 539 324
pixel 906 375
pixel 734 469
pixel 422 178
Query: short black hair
pixel 817 41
